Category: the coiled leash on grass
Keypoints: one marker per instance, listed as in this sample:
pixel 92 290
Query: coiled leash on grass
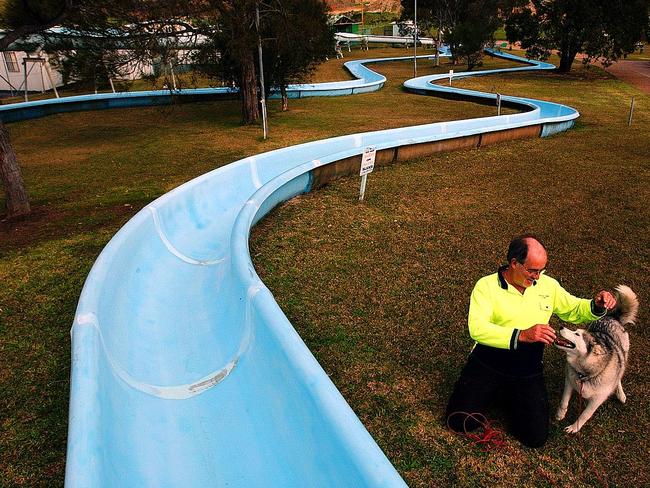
pixel 489 439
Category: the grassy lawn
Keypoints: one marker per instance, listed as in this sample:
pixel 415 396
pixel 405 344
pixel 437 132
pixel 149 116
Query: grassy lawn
pixel 377 290
pixel 640 56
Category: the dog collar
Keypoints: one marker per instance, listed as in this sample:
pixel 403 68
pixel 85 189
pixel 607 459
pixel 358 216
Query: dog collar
pixel 582 376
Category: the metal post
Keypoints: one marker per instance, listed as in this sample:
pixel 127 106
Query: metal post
pixel 49 76
pixel 438 47
pixel 629 119
pixel 25 71
pixel 362 23
pixel 171 70
pixel 415 40
pixel 498 104
pixel 265 124
pixel 110 80
pixel 42 79
pixel 362 190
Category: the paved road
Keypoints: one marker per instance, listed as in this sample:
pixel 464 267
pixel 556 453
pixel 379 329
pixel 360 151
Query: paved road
pixel 636 73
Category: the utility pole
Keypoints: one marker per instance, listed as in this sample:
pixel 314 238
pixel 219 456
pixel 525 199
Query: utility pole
pixel 438 42
pixel 415 40
pixel 265 123
pixel 362 23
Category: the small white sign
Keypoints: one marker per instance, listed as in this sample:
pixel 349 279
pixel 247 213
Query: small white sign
pixel 451 75
pixel 368 160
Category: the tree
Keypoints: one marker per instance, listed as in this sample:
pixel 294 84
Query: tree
pixel 21 19
pixel 466 25
pixel 135 26
pixel 474 28
pixel 599 29
pixel 231 30
pixel 297 38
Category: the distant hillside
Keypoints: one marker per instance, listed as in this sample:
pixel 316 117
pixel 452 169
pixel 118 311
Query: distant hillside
pixel 370 5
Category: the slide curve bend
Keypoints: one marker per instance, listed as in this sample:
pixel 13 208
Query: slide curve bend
pixel 185 372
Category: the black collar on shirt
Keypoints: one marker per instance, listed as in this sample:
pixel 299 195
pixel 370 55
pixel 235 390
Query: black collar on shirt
pixel 502 281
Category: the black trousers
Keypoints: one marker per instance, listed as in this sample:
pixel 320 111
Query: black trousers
pixel 525 402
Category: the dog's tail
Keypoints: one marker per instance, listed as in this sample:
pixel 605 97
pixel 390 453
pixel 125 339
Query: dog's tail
pixel 627 305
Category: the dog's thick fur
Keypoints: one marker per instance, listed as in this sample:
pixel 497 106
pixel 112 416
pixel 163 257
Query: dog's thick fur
pixel 596 358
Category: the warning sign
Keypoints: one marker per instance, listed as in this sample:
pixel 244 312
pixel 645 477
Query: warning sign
pixel 368 160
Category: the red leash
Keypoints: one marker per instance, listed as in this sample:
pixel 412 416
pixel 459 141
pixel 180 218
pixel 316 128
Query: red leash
pixel 490 437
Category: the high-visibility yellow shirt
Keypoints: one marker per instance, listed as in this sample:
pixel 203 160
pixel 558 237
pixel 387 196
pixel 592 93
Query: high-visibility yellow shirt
pixel 498 312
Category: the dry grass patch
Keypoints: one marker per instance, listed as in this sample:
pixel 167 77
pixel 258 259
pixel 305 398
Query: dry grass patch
pixel 378 291
pixel 390 280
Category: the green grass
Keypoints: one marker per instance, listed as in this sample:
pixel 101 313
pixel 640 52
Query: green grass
pixel 377 290
pixel 160 82
pixel 409 256
pixel 640 56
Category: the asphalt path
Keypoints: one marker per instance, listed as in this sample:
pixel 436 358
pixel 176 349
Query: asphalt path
pixel 636 73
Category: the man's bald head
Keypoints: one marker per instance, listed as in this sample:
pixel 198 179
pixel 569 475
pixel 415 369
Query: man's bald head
pixel 521 246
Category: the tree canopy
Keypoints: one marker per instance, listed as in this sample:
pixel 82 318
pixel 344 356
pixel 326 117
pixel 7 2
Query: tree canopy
pixel 599 29
pixel 296 38
pixel 466 25
pixel 295 35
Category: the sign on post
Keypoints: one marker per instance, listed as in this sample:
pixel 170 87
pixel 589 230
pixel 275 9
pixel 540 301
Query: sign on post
pixel 367 165
pixel 368 160
pixel 451 75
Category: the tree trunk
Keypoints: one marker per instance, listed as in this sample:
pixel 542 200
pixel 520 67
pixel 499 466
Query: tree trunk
pixel 250 109
pixel 568 52
pixel 15 194
pixel 285 98
pixel 566 60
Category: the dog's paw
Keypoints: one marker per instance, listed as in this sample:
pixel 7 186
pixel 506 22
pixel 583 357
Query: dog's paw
pixel 622 398
pixel 573 428
pixel 561 412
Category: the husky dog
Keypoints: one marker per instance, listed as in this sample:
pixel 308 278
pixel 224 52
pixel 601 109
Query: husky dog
pixel 596 357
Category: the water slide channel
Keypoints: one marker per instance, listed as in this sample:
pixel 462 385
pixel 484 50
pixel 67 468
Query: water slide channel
pixel 185 371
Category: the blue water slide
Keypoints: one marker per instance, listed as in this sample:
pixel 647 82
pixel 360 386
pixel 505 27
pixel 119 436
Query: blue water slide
pixel 365 81
pixel 185 372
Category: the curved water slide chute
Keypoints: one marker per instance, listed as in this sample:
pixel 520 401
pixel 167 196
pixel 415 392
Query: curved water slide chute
pixel 377 39
pixel 185 371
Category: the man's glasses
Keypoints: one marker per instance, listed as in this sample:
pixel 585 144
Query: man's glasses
pixel 533 271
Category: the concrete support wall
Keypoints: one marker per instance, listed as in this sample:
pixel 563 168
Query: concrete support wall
pixel 350 166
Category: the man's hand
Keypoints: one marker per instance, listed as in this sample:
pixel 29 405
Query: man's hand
pixel 605 299
pixel 538 333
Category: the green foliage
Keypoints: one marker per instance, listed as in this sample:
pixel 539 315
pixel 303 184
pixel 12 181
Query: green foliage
pixel 297 37
pixel 599 29
pixel 17 13
pixel 466 25
pixel 474 29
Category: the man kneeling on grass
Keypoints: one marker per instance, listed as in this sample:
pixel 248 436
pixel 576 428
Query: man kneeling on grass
pixel 508 318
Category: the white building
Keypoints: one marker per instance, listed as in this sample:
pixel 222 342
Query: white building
pixel 40 75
